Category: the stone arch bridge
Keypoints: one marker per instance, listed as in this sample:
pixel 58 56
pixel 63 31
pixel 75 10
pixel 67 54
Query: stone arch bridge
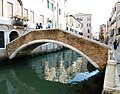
pixel 96 53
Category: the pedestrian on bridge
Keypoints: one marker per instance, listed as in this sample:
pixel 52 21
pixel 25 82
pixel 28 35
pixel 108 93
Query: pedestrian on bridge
pixel 49 25
pixel 37 26
pixel 115 43
pixel 40 26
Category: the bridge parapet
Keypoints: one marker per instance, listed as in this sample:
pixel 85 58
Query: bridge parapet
pixel 111 80
pixel 95 52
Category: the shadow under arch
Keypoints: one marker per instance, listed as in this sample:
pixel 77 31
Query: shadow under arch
pixel 36 43
pixel 13 35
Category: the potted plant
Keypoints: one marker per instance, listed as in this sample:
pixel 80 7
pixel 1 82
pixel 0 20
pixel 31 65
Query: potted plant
pixel 25 19
pixel 16 16
pixel 18 21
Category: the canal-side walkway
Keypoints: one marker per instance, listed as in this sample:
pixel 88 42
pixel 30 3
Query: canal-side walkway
pixel 117 56
pixel 112 72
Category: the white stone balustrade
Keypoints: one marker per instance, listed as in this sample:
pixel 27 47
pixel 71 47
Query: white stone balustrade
pixel 110 74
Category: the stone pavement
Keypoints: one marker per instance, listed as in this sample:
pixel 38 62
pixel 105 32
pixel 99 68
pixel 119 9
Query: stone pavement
pixel 117 56
pixel 116 52
pixel 112 74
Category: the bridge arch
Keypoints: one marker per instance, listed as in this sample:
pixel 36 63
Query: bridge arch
pixel 52 41
pixel 93 51
pixel 13 35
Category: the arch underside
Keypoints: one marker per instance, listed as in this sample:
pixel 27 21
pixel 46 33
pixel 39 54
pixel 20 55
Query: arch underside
pixel 27 48
pixel 93 51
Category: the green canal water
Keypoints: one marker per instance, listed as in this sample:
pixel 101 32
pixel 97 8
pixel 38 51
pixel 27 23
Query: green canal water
pixel 61 72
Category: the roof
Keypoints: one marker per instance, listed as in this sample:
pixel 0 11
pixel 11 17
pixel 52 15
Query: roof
pixel 81 14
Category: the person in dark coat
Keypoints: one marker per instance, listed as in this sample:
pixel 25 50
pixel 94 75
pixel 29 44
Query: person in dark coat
pixel 40 26
pixel 37 26
pixel 115 43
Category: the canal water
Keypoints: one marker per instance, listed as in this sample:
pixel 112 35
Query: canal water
pixel 62 72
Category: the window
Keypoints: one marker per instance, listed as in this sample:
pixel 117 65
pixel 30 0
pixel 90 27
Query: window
pixel 64 15
pixel 32 16
pixel 71 21
pixel 59 11
pixel 25 13
pixel 2 44
pixel 80 19
pixel 88 24
pixel 112 32
pixel 88 30
pixel 114 8
pixel 75 31
pixel 60 25
pixel 66 28
pixel 47 20
pixel 1 7
pixel 51 6
pixel 88 18
pixel 47 3
pixel 18 8
pixel 9 10
pixel 42 19
pixel 72 30
pixel 81 33
pixel 119 17
pixel 119 31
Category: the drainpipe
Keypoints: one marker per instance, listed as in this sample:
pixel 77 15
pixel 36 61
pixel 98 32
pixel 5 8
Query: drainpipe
pixel 57 15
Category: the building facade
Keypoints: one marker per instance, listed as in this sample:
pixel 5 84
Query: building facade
pixel 86 20
pixel 73 25
pixel 113 23
pixel 18 17
pixel 103 34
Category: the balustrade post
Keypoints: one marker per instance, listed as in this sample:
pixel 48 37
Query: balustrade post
pixel 110 77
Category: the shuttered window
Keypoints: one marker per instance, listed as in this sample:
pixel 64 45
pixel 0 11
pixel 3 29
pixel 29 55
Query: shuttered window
pixel 1 7
pixel 9 10
pixel 2 44
pixel 32 16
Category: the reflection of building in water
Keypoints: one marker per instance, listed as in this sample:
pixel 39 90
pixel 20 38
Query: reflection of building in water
pixel 50 73
pixel 38 67
pixel 46 70
pixel 75 67
pixel 60 74
pixel 58 66
pixel 84 65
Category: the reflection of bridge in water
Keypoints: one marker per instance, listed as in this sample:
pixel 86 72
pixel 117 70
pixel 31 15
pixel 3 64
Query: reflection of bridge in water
pixel 94 52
